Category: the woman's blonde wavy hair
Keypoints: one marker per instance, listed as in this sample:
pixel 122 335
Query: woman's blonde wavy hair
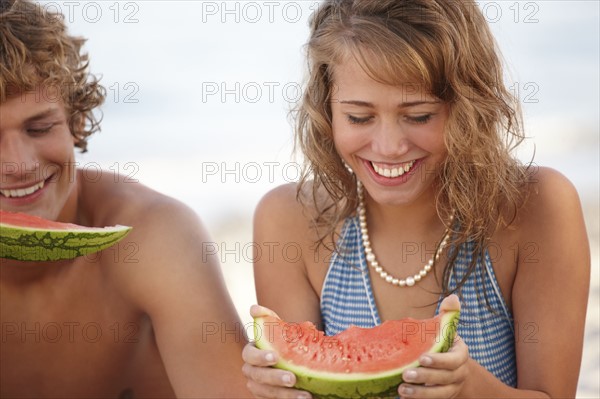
pixel 36 50
pixel 446 47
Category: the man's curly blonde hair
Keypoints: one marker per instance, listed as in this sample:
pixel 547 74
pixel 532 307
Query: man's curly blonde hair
pixel 37 51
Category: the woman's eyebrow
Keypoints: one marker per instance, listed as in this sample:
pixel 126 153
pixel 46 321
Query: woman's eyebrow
pixel 402 105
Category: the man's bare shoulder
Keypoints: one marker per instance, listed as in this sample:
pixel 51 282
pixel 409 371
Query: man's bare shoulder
pixel 166 237
pixel 159 221
pixel 165 272
pixel 111 200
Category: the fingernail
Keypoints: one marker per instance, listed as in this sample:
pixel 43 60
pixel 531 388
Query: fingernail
pixel 287 379
pixel 425 361
pixel 409 375
pixel 269 357
pixel 408 390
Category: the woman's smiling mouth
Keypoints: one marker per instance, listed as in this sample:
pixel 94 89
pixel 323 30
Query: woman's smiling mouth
pixel 387 170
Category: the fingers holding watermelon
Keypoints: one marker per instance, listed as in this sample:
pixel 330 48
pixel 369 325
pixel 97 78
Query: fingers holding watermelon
pixel 456 357
pixel 441 375
pixel 450 304
pixel 258 357
pixel 264 381
pixel 260 311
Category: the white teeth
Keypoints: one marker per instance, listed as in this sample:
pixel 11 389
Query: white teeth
pixel 22 192
pixel 393 172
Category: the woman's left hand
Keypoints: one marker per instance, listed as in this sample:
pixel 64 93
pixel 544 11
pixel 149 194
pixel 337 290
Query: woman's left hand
pixel 441 375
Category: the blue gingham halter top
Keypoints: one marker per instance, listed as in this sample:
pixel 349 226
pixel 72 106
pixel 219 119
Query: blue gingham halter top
pixel 347 298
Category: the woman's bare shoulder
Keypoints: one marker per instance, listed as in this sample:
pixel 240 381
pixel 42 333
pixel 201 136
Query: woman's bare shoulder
pixel 551 198
pixel 291 204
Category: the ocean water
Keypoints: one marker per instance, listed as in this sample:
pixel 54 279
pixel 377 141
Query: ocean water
pixel 199 94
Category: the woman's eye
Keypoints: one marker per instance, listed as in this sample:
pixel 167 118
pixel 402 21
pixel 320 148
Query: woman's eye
pixel 419 119
pixel 358 121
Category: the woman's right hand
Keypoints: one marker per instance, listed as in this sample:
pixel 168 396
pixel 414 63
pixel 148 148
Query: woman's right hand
pixel 263 380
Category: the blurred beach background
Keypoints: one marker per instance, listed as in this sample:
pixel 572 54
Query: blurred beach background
pixel 199 94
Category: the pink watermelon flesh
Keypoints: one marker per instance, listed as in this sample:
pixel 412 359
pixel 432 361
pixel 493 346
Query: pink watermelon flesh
pixel 357 350
pixel 35 222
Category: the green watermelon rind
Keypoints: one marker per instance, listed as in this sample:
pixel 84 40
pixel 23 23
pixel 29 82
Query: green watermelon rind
pixel 51 244
pixel 327 385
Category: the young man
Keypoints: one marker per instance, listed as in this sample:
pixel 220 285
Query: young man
pixel 149 317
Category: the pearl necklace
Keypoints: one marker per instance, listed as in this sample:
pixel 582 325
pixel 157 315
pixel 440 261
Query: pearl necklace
pixel 409 281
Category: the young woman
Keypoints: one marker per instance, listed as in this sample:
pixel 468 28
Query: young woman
pixel 410 193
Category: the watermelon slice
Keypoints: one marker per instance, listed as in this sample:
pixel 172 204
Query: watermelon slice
pixel 358 362
pixel 31 238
